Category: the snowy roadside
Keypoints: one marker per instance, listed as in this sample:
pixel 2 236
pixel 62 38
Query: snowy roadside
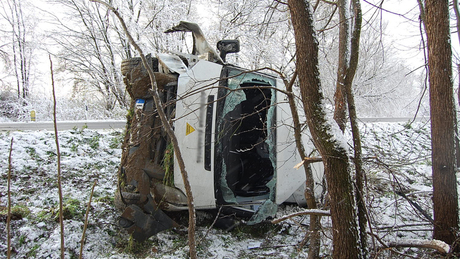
pixel 397 161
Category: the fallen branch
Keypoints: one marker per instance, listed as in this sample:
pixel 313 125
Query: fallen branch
pixel 269 247
pixel 8 219
pixel 82 242
pixel 315 212
pixel 380 228
pixel 415 205
pixel 438 245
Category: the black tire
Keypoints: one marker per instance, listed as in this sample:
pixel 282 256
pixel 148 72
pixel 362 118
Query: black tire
pixel 127 199
pixel 128 64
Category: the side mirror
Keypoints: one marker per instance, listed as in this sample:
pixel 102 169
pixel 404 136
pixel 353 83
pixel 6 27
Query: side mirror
pixel 228 46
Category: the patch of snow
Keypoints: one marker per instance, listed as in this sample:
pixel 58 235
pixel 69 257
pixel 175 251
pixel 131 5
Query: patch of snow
pixel 397 159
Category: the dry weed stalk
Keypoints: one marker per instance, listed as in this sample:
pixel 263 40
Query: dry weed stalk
pixel 61 222
pixel 8 219
pixel 82 243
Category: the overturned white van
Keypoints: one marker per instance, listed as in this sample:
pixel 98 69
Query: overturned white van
pixel 234 129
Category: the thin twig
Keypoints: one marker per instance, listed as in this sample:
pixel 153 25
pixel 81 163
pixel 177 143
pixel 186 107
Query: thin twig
pixel 61 219
pixel 82 243
pixel 388 11
pixel 212 225
pixel 316 212
pixel 8 219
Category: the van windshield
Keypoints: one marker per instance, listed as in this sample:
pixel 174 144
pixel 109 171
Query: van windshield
pixel 245 137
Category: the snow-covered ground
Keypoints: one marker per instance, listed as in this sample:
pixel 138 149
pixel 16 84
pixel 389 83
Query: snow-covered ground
pixel 397 165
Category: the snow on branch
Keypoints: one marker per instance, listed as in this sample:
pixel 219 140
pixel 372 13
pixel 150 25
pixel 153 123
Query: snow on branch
pixel 438 245
pixel 308 160
pixel 316 212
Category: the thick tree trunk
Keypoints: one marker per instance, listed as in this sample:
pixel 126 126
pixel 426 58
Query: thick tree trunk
pixel 334 153
pixel 445 198
pixel 457 18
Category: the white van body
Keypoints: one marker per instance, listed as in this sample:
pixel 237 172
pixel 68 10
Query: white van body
pixel 197 117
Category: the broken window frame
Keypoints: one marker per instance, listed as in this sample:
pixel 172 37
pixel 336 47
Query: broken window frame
pixel 230 95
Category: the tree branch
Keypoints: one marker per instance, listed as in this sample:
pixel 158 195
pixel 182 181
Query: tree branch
pixel 438 245
pixel 315 212
pixel 329 2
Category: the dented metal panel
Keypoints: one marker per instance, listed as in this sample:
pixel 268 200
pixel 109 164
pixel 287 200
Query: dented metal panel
pixel 171 63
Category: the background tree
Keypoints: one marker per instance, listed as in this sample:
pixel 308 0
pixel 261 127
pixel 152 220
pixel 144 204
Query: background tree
pixel 88 51
pixel 92 45
pixel 18 42
pixel 263 29
pixel 435 15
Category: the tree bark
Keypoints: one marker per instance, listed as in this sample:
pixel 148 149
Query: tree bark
pixel 334 153
pixel 442 109
pixel 351 71
pixel 340 96
pixel 457 25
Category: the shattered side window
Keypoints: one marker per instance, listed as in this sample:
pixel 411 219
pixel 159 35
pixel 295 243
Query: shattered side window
pixel 245 150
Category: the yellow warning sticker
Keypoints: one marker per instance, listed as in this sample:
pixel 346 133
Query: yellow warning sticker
pixel 189 129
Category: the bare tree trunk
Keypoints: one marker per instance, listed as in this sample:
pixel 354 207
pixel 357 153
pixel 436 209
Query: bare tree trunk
pixel 315 224
pixel 340 96
pixel 442 112
pixel 351 71
pixel 348 62
pixel 457 25
pixel 19 48
pixel 334 153
pixel 21 41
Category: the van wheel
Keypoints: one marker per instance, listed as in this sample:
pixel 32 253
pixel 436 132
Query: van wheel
pixel 128 199
pixel 128 64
